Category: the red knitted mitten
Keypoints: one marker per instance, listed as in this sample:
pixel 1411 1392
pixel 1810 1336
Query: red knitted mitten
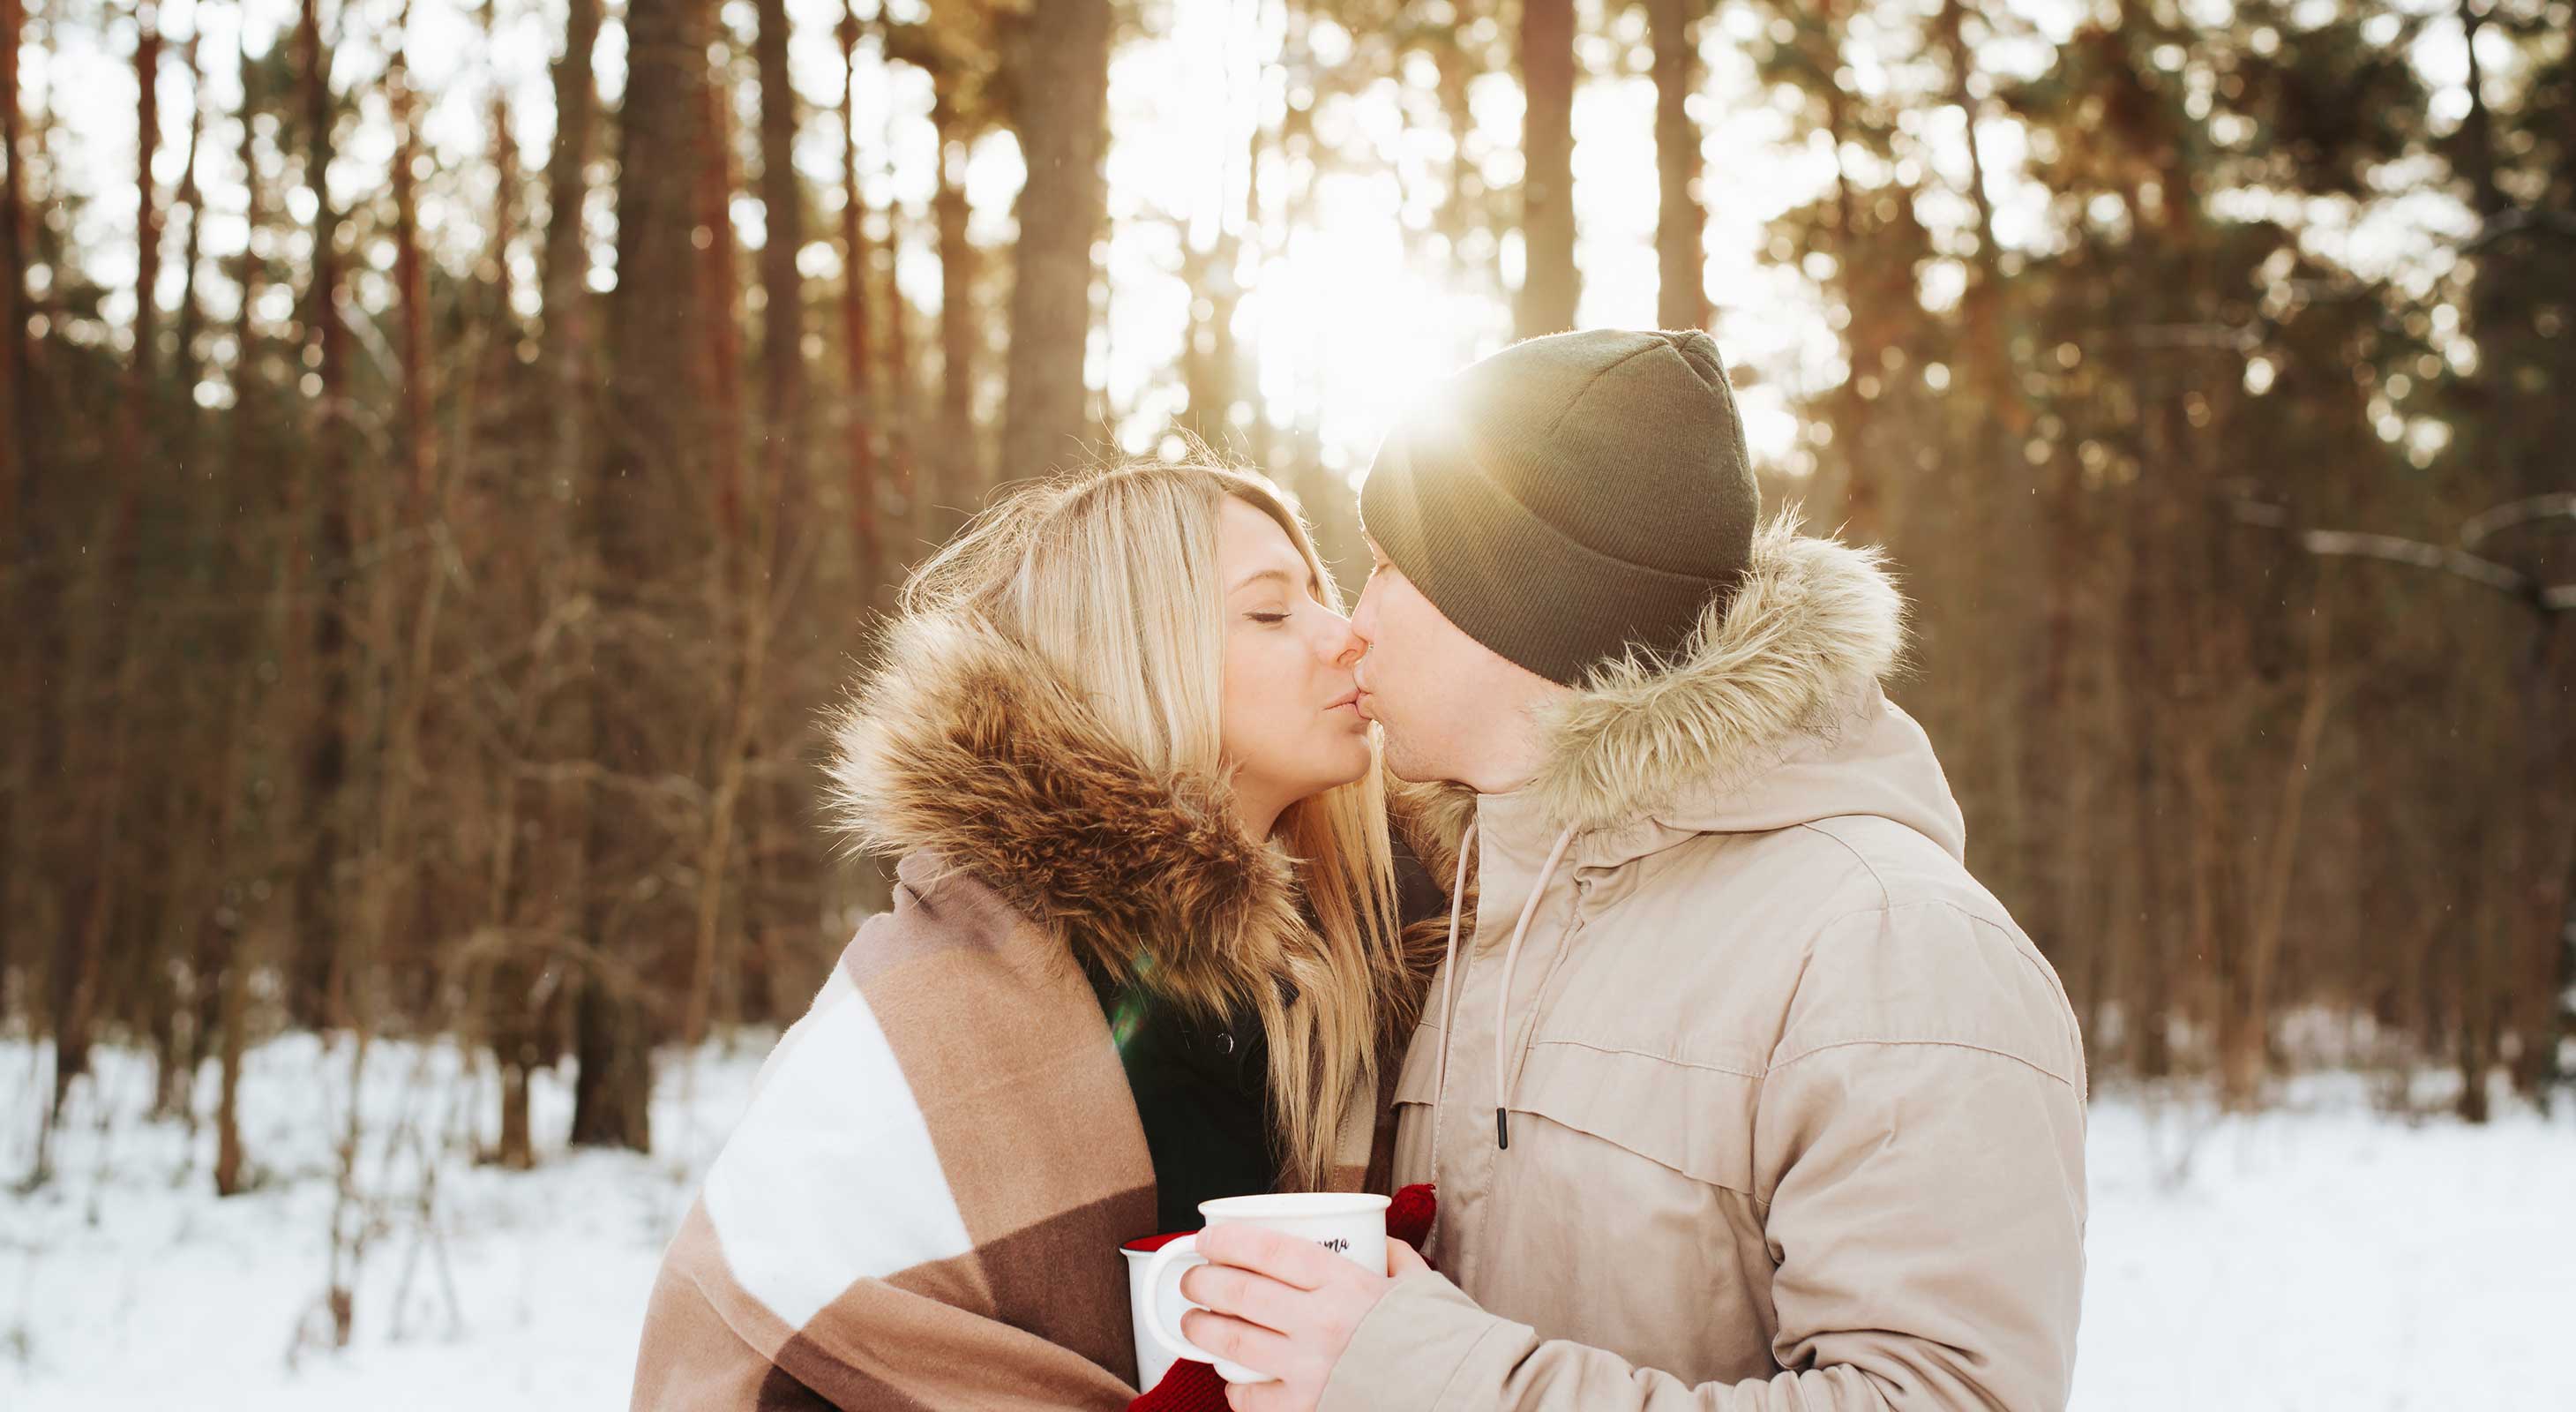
pixel 1408 1216
pixel 1189 1387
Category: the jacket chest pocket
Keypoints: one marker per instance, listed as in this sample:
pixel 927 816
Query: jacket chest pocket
pixel 1417 1088
pixel 1623 1215
pixel 1693 1121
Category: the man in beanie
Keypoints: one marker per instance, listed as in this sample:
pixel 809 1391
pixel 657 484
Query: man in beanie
pixel 1739 1092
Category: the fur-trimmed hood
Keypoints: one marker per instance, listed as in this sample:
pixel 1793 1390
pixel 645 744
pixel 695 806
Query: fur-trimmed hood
pixel 1770 717
pixel 978 752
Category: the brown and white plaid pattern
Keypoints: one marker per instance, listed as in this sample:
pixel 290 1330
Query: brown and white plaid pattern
pixel 922 1206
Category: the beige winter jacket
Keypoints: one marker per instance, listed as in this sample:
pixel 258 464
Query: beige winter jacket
pixel 1794 1112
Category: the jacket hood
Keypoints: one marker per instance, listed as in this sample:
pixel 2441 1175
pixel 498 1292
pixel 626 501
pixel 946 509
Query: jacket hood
pixel 1772 715
pixel 980 753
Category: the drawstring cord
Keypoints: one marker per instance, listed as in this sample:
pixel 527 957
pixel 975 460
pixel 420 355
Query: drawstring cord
pixel 1503 998
pixel 1451 984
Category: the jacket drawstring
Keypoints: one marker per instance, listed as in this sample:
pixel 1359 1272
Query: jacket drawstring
pixel 1449 984
pixel 1503 997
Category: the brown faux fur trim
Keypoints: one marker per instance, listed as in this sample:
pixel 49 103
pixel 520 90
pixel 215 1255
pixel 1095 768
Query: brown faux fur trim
pixel 1813 621
pixel 978 751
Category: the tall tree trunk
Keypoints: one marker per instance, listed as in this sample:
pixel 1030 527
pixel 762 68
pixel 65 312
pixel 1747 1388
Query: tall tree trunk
pixel 499 320
pixel 1550 287
pixel 191 320
pixel 1061 112
pixel 655 458
pixel 13 289
pixel 18 595
pixel 101 670
pixel 961 468
pixel 719 336
pixel 233 989
pixel 896 355
pixel 859 410
pixel 315 986
pixel 231 1027
pixel 554 886
pixel 2558 1040
pixel 782 346
pixel 246 275
pixel 747 591
pixel 1462 199
pixel 1681 296
pixel 140 385
pixel 411 287
pixel 564 343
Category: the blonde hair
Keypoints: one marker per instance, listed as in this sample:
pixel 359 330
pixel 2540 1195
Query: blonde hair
pixel 1111 577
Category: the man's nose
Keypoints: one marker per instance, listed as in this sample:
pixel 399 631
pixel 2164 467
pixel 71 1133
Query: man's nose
pixel 1342 644
pixel 1364 615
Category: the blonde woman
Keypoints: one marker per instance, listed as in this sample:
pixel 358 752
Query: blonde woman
pixel 1147 948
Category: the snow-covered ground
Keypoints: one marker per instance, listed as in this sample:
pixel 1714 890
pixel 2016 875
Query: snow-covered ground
pixel 2324 1256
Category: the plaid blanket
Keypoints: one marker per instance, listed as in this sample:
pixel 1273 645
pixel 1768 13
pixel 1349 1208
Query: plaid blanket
pixel 923 1203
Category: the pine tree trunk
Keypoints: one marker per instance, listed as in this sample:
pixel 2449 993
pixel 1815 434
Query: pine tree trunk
pixel 16 557
pixel 962 477
pixel 1061 112
pixel 1681 298
pixel 316 993
pixel 191 319
pixel 564 343
pixel 140 368
pixel 411 290
pixel 895 354
pixel 782 347
pixel 13 295
pixel 719 337
pixel 102 666
pixel 1462 199
pixel 859 438
pixel 549 895
pixel 246 412
pixel 656 457
pixel 158 986
pixel 229 1156
pixel 233 993
pixel 1550 287
pixel 961 467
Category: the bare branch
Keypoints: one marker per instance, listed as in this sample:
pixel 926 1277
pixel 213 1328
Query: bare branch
pixel 2515 223
pixel 2517 512
pixel 2416 552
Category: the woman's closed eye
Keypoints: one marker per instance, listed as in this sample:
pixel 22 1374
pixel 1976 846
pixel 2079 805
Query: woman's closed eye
pixel 1268 619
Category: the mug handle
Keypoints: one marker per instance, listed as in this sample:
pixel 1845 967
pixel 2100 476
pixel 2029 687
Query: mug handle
pixel 1157 1271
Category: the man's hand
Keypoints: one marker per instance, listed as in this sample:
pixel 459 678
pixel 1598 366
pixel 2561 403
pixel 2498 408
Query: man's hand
pixel 1283 1305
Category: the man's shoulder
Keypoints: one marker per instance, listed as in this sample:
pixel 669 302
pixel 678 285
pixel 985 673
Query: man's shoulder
pixel 1858 929
pixel 1940 967
pixel 1799 877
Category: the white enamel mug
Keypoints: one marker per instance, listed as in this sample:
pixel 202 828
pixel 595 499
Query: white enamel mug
pixel 1350 1224
pixel 1152 1359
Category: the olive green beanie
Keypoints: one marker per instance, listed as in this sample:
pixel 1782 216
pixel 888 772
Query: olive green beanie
pixel 1572 498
